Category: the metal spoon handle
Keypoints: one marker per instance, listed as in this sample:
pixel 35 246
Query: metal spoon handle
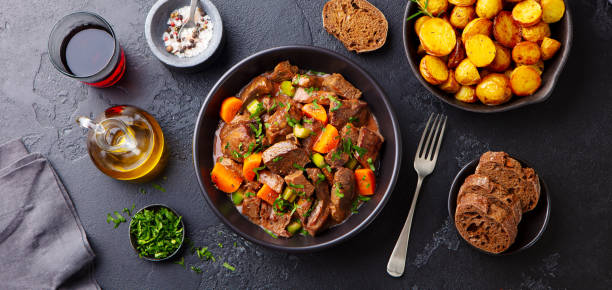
pixel 192 9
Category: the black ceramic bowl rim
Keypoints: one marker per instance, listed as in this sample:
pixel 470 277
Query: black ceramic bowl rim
pixel 397 143
pixel 190 62
pixel 467 170
pixel 152 206
pixel 549 78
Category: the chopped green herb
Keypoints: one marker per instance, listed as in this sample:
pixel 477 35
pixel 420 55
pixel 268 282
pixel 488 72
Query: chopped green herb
pixel 297 166
pixel 360 151
pixel 157 232
pixel 335 101
pixel 321 177
pixel 307 213
pixel 370 163
pixel 256 170
pixel 227 145
pixel 277 159
pixel 196 269
pixel 181 262
pixel 159 187
pixel 236 155
pixel 335 155
pixel 292 122
pixel 235 244
pixel 204 254
pixel 127 211
pixel 315 105
pixel 142 190
pixel 352 120
pixel 337 192
pixel 229 267
pixel 272 107
pixel 249 194
pixel 267 125
pixel 304 232
pixel 307 121
pixel 117 220
pixel 310 90
pixel 347 145
pixel 271 233
pixel 296 185
pixel 220 245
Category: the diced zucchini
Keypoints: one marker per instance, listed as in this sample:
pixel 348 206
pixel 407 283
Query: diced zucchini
pixel 255 108
pixel 351 164
pixel 237 197
pixel 300 131
pixel 287 88
pixel 294 227
pixel 289 194
pixel 318 160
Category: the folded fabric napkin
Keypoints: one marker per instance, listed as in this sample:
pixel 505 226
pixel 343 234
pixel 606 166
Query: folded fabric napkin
pixel 42 242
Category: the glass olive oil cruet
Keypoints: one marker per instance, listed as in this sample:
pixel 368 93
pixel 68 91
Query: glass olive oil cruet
pixel 126 143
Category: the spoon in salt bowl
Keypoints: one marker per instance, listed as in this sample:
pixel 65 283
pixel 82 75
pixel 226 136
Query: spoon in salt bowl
pixel 190 23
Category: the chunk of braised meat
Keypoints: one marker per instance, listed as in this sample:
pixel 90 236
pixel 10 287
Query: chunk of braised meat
pixel 328 174
pixel 278 123
pixel 303 209
pixel 350 132
pixel 342 194
pixel 320 183
pixel 235 140
pixel 250 208
pixel 354 111
pixel 251 186
pixel 318 217
pixel 283 71
pixel 315 127
pixel 273 180
pixel 230 165
pixel 337 157
pixel 307 81
pixel 341 86
pixel 298 182
pixel 258 87
pixel 284 157
pixel 310 94
pixel 370 143
pixel 274 222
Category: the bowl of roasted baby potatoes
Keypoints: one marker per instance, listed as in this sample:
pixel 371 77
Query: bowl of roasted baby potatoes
pixel 488 55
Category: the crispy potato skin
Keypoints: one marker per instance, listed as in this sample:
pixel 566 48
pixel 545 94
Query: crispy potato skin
pixel 502 61
pixel 462 2
pixel 526 52
pixel 460 16
pixel 437 36
pixel 450 85
pixel 433 70
pixel 552 10
pixel 527 13
pixel 435 7
pixel 537 32
pixel 506 31
pixel 419 22
pixel 549 48
pixel 457 55
pixel 480 49
pixel 488 8
pixel 466 94
pixel 525 80
pixel 466 73
pixel 494 89
pixel 477 26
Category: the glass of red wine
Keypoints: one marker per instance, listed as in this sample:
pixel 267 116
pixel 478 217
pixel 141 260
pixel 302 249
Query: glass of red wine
pixel 83 46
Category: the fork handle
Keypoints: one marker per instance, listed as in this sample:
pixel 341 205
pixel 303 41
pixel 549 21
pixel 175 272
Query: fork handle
pixel 397 261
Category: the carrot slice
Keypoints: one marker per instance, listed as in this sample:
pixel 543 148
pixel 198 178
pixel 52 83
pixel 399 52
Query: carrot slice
pixel 316 112
pixel 328 139
pixel 225 179
pixel 229 108
pixel 366 181
pixel 250 163
pixel 267 194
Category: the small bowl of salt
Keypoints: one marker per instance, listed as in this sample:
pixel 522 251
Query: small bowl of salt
pixel 196 47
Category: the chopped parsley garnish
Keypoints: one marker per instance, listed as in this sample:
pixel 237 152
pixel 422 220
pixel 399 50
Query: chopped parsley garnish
pixel 296 79
pixel 271 233
pixel 277 159
pixel 360 151
pixel 196 269
pixel 292 122
pixel 256 170
pixel 258 110
pixel 129 211
pixel 227 144
pixel 370 163
pixel 334 100
pixel 310 90
pixel 159 187
pixel 220 245
pixel 240 146
pixel 249 194
pixel 157 232
pixel 353 120
pixel 117 220
pixel 307 121
pixel 304 232
pixel 236 155
pixel 356 202
pixel 142 190
pixel 337 192
pixel 307 213
pixel 181 262
pixel 321 177
pixel 297 166
pixel 315 105
pixel 229 267
pixel 204 254
pixel 267 125
pixel 296 185
pixel 272 107
pixel 347 145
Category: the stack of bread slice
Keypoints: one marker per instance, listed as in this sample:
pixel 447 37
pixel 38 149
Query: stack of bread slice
pixel 491 202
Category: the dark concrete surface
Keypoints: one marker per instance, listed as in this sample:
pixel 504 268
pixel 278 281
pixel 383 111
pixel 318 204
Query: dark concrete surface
pixel 568 139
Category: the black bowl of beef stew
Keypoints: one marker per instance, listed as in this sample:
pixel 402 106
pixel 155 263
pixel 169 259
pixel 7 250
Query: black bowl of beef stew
pixel 281 173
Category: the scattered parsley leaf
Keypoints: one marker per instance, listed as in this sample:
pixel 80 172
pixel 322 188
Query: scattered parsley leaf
pixel 181 262
pixel 196 269
pixel 159 187
pixel 229 267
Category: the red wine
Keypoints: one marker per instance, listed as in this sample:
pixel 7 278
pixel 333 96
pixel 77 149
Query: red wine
pixel 87 50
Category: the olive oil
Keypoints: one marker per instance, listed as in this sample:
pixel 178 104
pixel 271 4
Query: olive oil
pixel 126 143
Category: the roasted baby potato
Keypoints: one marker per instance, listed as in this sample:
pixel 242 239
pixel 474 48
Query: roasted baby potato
pixel 549 48
pixel 537 32
pixel 450 85
pixel 502 60
pixel 435 7
pixel 480 49
pixel 525 80
pixel 488 8
pixel 460 16
pixel 462 2
pixel 467 73
pixel 477 26
pixel 437 36
pixel 433 70
pixel 457 55
pixel 505 29
pixel 466 94
pixel 527 13
pixel 539 67
pixel 494 89
pixel 419 22
pixel 552 10
pixel 526 52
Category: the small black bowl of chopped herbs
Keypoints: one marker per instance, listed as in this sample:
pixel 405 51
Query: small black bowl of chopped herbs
pixel 157 232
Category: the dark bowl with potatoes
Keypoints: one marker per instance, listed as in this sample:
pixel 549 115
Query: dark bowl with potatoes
pixel 540 43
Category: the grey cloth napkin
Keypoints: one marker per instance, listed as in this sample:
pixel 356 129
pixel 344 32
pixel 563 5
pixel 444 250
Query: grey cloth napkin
pixel 42 242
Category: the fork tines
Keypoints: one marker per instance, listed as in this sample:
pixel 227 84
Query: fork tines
pixel 434 134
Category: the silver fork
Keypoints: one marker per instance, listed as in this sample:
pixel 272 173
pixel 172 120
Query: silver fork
pixel 424 164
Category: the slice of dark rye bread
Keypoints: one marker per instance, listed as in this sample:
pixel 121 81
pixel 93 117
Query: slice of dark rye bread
pixel 508 172
pixel 358 24
pixel 482 185
pixel 485 222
